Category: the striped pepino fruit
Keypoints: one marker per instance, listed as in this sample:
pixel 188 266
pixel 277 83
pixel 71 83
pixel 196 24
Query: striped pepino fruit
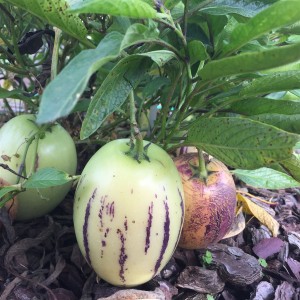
pixel 128 214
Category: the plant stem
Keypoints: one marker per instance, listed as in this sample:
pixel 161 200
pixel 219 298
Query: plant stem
pixel 14 69
pixel 165 109
pixel 186 4
pixel 22 168
pixel 55 53
pixel 136 136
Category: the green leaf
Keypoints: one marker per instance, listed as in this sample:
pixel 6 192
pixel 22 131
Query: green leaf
pixel 160 57
pixel 240 142
pixel 55 13
pixel 5 190
pixel 137 33
pixel 290 123
pixel 128 8
pixel 266 178
pixel 169 4
pixel 197 51
pixel 15 94
pixel 257 106
pixel 280 81
pixel 246 8
pixel 47 177
pixel 117 85
pixel 251 62
pixel 113 92
pixel 292 165
pixel 279 14
pixel 62 94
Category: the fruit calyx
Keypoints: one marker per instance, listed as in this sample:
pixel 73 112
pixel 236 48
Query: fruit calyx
pixel 138 151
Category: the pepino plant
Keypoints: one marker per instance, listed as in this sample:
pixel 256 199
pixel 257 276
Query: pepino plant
pixel 218 75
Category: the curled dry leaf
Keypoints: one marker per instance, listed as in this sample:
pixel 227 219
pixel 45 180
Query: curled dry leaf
pixel 265 218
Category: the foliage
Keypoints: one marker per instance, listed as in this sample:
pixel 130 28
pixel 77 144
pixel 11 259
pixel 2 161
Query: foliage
pixel 221 75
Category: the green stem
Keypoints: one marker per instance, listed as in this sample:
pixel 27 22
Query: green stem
pixel 202 167
pixel 18 55
pixel 55 53
pixel 185 15
pixel 136 136
pixel 22 169
pixel 36 135
pixel 14 69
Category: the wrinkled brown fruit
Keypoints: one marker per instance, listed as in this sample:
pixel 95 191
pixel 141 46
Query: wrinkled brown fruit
pixel 11 205
pixel 209 207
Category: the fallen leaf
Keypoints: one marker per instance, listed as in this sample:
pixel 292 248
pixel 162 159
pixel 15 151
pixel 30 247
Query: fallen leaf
pixel 265 218
pixel 238 225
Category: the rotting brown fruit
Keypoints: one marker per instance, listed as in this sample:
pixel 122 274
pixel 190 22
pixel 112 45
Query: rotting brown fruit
pixel 210 204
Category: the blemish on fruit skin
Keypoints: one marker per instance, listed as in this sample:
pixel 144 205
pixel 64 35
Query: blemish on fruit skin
pixel 85 227
pixel 148 228
pixel 103 243
pixel 123 256
pixel 126 224
pixel 165 239
pixel 110 210
pixel 102 206
pixel 106 232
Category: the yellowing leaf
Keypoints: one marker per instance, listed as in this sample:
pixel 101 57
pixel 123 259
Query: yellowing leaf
pixel 265 218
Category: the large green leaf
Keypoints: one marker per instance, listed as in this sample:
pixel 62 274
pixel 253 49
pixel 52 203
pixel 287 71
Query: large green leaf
pixel 251 62
pixel 246 8
pixel 117 85
pixel 279 14
pixel 280 81
pixel 62 94
pixel 129 8
pixel 290 123
pixel 55 13
pixel 266 178
pixel 242 143
pixel 258 106
pixel 113 92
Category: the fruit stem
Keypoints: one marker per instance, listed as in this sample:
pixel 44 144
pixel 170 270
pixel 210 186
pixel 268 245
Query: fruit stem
pixel 37 136
pixel 202 167
pixel 137 145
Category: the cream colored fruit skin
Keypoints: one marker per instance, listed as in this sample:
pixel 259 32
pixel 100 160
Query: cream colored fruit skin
pixel 55 150
pixel 132 186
